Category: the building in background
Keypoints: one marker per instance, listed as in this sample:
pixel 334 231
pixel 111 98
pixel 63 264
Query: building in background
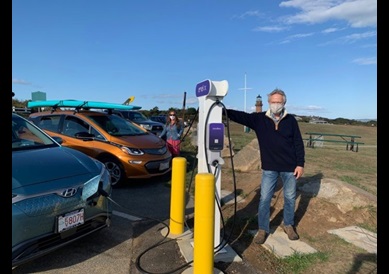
pixel 38 96
pixel 258 104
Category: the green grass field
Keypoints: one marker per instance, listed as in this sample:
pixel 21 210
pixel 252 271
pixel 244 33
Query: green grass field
pixel 332 160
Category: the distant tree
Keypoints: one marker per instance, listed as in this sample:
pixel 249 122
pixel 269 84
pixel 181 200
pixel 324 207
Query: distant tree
pixel 372 123
pixel 342 121
pixel 177 110
pixel 305 119
pixel 191 111
pixel 154 111
pixel 19 104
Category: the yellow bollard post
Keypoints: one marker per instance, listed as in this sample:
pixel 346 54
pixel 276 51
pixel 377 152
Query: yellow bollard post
pixel 177 198
pixel 204 221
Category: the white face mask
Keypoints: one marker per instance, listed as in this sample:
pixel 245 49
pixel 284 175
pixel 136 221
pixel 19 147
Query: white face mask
pixel 172 117
pixel 276 108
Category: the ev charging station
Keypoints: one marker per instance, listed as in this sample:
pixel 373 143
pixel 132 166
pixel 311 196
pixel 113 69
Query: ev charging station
pixel 210 137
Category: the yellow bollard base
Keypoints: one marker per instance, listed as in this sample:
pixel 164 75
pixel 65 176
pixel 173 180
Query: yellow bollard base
pixel 188 234
pixel 190 271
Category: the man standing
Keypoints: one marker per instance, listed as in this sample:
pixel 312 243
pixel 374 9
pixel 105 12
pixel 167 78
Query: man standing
pixel 282 155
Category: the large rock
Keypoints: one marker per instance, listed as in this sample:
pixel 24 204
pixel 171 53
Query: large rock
pixel 344 195
pixel 247 159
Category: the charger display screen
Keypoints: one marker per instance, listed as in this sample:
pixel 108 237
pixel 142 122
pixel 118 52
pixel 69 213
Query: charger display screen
pixel 216 136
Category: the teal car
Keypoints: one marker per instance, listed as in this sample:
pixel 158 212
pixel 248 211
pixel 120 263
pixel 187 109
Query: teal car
pixel 59 194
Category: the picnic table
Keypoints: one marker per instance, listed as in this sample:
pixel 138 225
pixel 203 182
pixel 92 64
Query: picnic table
pixel 349 140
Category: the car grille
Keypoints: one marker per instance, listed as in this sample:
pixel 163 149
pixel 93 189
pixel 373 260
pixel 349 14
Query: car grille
pixel 156 151
pixel 153 167
pixel 157 128
pixel 55 202
pixel 49 204
pixel 41 246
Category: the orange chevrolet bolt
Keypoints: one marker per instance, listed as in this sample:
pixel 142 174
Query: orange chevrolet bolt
pixel 127 150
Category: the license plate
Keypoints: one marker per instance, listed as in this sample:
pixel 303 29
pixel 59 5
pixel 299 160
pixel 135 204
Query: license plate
pixel 70 220
pixel 164 166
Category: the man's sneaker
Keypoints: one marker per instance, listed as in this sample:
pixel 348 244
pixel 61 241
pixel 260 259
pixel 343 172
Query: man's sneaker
pixel 260 237
pixel 291 232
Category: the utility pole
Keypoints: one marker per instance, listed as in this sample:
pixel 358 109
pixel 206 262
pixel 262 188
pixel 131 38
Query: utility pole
pixel 245 89
pixel 183 109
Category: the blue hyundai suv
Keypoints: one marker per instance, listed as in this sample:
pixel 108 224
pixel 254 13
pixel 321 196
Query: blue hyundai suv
pixel 59 194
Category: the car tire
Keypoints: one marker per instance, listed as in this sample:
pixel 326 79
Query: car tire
pixel 115 170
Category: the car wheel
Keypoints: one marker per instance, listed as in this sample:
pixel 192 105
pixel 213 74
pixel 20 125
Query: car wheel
pixel 115 170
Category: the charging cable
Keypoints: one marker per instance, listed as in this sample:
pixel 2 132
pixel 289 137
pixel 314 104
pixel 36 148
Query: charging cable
pixel 216 165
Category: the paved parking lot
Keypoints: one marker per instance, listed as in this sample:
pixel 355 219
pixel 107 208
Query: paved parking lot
pixel 135 228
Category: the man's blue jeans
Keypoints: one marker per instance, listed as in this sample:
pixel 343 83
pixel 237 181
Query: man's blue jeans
pixel 268 185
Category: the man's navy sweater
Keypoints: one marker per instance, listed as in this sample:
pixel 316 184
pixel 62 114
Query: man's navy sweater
pixel 280 144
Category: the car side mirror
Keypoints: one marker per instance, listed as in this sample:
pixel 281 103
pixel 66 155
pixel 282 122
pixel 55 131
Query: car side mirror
pixel 84 135
pixel 58 139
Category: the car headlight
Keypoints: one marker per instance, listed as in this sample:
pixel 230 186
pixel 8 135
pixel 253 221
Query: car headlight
pixel 132 151
pixel 146 126
pixel 98 185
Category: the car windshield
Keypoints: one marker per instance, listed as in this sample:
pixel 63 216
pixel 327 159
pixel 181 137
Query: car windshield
pixel 161 119
pixel 25 135
pixel 116 125
pixel 136 117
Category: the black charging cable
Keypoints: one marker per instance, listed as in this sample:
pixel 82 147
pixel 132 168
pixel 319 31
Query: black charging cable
pixel 195 162
pixel 215 163
pixel 190 126
pixel 159 243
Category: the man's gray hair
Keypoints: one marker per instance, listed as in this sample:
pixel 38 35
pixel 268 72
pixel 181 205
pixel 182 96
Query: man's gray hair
pixel 277 91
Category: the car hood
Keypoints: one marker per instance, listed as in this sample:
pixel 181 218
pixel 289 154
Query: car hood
pixel 148 140
pixel 50 164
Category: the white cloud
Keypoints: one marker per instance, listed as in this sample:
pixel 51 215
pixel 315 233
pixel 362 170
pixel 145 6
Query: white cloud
pixel 251 13
pixel 270 29
pixel 358 36
pixel 352 38
pixel 293 37
pixel 300 35
pixel 313 107
pixel 20 82
pixel 357 13
pixel 366 61
pixel 330 30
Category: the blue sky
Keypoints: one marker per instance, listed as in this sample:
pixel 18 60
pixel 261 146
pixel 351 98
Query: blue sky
pixel 322 53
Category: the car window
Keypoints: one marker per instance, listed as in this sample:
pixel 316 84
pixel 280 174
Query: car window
pixel 129 115
pixel 26 136
pixel 46 123
pixel 49 123
pixel 134 116
pixel 116 125
pixel 73 125
pixel 160 119
pixel 96 133
pixel 138 117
